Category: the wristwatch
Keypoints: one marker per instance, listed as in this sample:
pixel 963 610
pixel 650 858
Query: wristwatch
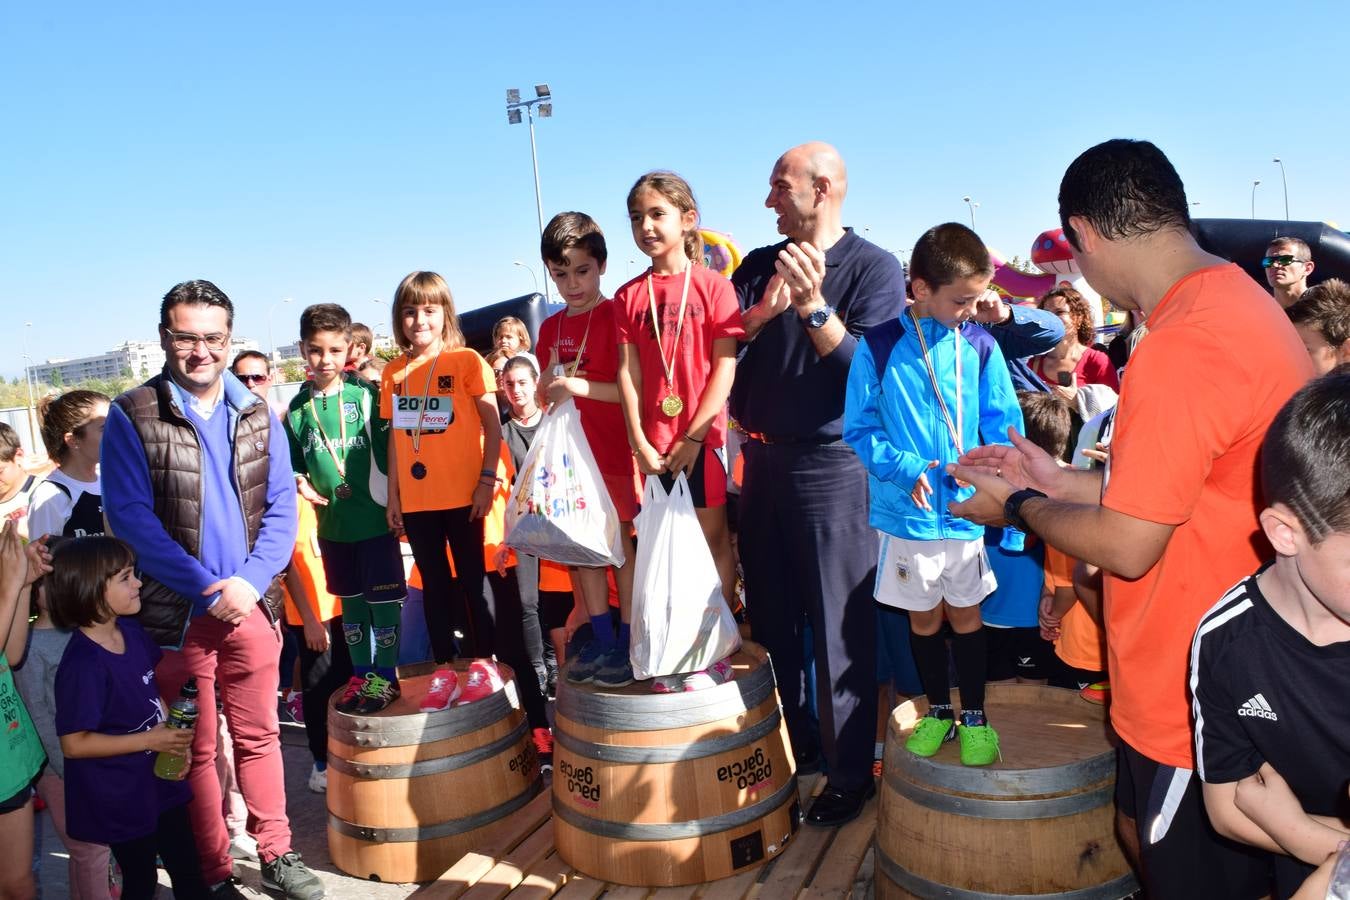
pixel 819 317
pixel 1012 507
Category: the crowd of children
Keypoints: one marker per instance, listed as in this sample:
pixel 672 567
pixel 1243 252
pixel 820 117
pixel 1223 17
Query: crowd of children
pixel 427 448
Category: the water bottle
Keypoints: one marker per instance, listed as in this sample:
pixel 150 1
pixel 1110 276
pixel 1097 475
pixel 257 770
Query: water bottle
pixel 182 714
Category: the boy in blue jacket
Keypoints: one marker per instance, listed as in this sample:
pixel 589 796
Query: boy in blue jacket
pixel 922 390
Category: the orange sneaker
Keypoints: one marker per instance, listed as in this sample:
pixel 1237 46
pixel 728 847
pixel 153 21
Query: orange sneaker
pixel 483 680
pixel 1098 692
pixel 444 688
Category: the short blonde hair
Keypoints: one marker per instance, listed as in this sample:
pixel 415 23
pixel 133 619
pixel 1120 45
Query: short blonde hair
pixel 420 289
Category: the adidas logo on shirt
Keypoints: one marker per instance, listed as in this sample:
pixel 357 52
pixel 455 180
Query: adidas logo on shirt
pixel 1258 707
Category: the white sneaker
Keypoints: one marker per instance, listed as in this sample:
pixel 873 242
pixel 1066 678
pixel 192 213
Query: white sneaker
pixel 243 846
pixel 718 673
pixel 318 780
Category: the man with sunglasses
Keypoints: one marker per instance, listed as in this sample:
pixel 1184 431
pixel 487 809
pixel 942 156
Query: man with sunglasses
pixel 197 479
pixel 257 374
pixel 1288 263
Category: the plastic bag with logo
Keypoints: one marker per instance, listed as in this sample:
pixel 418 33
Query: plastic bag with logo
pixel 559 508
pixel 680 621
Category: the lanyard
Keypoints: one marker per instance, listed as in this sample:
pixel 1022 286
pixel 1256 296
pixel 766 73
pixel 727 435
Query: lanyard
pixel 339 462
pixel 576 363
pixel 422 407
pixel 953 428
pixel 669 367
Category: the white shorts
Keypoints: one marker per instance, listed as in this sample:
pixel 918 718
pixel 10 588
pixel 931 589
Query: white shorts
pixel 917 575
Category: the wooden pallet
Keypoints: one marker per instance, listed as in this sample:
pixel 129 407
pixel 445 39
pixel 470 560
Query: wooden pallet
pixel 518 861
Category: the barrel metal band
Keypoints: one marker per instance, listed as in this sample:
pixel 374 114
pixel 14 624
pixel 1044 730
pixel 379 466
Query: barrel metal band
pixel 919 886
pixel 977 808
pixel 671 752
pixel 423 728
pixel 432 766
pixel 440 829
pixel 1008 782
pixel 643 712
pixel 673 831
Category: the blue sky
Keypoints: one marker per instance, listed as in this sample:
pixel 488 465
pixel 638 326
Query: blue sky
pixel 320 151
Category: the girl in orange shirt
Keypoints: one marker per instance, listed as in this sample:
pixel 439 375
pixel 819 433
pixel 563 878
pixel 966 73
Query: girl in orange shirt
pixel 444 441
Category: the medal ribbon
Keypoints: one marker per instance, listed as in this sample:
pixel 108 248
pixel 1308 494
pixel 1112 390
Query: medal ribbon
pixel 953 428
pixel 422 407
pixel 340 463
pixel 669 367
pixel 576 363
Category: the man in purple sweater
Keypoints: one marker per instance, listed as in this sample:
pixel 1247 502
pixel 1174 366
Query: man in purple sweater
pixel 196 477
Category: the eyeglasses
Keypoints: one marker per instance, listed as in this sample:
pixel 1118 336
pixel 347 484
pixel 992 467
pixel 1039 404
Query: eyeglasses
pixel 251 380
pixel 1269 261
pixel 186 340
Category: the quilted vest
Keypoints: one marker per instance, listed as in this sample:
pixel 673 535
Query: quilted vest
pixel 175 462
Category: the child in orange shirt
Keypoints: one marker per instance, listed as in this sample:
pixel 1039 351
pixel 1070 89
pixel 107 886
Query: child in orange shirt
pixel 439 399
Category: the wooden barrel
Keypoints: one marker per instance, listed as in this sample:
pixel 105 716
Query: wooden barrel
pixel 667 789
pixel 410 792
pixel 1040 823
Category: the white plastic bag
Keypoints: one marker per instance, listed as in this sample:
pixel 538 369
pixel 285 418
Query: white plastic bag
pixel 559 508
pixel 680 621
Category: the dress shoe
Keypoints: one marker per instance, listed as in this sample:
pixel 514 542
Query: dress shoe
pixel 835 807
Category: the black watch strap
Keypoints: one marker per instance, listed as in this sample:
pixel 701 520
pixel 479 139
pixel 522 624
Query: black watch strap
pixel 1012 507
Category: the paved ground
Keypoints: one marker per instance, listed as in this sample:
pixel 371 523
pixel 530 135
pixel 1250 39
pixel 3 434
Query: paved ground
pixel 309 827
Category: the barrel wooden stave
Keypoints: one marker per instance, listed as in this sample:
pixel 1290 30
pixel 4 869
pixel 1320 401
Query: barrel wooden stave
pixel 630 795
pixel 1040 822
pixel 409 793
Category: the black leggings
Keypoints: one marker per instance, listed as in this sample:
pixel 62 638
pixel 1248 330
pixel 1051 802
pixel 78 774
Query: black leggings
pixel 511 647
pixel 320 675
pixel 449 602
pixel 172 841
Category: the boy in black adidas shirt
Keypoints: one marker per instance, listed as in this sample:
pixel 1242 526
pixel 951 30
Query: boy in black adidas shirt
pixel 1270 663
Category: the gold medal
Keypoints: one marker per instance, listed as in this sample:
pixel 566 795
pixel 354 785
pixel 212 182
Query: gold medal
pixel 672 405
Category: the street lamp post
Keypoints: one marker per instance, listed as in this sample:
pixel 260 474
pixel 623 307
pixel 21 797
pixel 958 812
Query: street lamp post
pixel 1254 184
pixel 544 99
pixel 973 204
pixel 28 380
pixel 534 278
pixel 1285 185
pixel 271 341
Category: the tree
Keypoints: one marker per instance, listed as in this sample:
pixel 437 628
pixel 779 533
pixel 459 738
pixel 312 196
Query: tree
pixel 292 371
pixel 55 379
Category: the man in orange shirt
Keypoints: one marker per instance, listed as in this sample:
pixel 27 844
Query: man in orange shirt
pixel 1173 519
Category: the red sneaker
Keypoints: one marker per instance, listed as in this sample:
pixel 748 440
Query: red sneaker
pixel 350 695
pixel 543 746
pixel 483 680
pixel 444 688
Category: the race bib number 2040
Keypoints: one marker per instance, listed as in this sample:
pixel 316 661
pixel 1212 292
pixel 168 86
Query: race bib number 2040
pixel 431 413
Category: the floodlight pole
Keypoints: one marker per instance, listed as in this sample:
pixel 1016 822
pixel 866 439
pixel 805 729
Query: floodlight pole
pixel 1254 184
pixel 1285 185
pixel 28 380
pixel 513 102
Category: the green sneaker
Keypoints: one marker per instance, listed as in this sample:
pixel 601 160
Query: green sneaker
pixel 929 735
pixel 979 744
pixel 289 876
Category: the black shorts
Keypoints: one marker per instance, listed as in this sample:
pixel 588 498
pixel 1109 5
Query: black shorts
pixel 1063 675
pixel 707 480
pixel 372 568
pixel 1018 653
pixel 17 802
pixel 1182 855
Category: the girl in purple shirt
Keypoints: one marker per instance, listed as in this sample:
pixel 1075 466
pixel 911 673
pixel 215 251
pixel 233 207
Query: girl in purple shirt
pixel 110 720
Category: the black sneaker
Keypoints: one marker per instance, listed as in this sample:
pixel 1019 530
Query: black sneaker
pixel 376 694
pixel 227 890
pixel 289 875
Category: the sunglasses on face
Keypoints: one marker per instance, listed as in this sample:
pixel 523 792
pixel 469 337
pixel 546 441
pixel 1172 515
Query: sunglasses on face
pixel 1285 260
pixel 251 380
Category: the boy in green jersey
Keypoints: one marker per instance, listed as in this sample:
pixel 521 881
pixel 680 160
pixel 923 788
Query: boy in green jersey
pixel 338 445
